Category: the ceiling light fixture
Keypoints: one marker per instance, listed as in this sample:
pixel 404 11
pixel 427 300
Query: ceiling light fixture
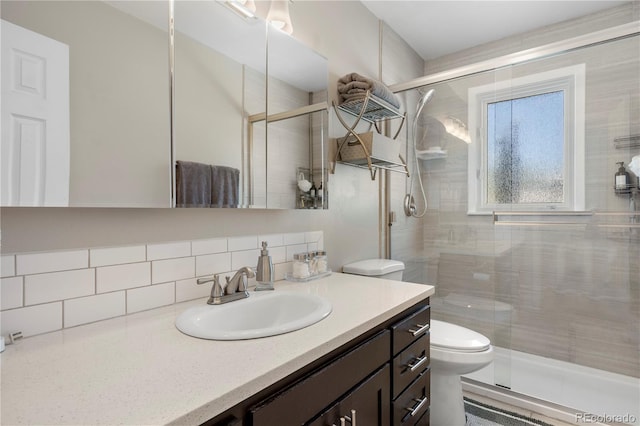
pixel 279 17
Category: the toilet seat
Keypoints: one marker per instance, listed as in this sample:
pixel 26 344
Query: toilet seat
pixel 451 337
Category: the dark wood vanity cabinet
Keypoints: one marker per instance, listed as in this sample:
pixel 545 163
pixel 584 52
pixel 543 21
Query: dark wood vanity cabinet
pixel 378 379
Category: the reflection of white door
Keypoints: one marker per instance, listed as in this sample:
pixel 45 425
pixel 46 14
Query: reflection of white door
pixel 35 119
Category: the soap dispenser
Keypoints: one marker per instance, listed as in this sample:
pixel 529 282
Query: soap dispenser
pixel 264 272
pixel 622 180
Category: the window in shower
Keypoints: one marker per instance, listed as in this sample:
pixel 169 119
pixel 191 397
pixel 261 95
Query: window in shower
pixel 528 150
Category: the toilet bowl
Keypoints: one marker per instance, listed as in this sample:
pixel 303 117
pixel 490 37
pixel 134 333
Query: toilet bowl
pixel 455 350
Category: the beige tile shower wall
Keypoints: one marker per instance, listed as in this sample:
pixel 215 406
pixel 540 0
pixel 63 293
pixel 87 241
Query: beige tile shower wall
pixel 575 291
pixel 43 292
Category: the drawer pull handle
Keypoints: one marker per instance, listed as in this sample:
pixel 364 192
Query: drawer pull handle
pixel 420 402
pixel 351 419
pixel 420 330
pixel 416 363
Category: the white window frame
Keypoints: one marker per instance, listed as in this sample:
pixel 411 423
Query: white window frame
pixel 570 80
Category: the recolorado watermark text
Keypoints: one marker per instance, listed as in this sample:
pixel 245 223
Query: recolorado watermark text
pixel 605 418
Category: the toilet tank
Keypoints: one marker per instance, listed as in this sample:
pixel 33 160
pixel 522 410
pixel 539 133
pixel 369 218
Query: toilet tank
pixel 377 268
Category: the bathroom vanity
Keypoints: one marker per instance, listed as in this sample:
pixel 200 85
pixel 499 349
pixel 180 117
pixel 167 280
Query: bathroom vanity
pixel 139 369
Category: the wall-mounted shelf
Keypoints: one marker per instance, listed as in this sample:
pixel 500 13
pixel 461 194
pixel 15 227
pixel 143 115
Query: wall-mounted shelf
pixel 372 110
pixel 632 141
pixel 432 154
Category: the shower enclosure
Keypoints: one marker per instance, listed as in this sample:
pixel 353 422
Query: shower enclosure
pixel 525 237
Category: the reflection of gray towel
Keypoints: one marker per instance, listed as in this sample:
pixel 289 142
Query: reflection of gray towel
pixel 224 186
pixel 355 86
pixel 193 184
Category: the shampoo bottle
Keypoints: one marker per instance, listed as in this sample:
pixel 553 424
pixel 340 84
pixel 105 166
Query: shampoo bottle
pixel 622 180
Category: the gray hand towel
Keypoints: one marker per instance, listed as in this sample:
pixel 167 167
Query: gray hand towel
pixel 193 184
pixel 224 186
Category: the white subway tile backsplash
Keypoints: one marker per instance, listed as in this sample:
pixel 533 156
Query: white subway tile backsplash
pixel 168 250
pixel 93 308
pixel 217 245
pixel 36 263
pixel 7 266
pixel 117 255
pixel 120 277
pixel 244 258
pixel 273 240
pixel 11 293
pixel 313 237
pixel 291 250
pixel 43 288
pixel 189 290
pixel 32 320
pixel 278 254
pixel 43 292
pixel 213 264
pixel 297 238
pixel 163 271
pixel 243 243
pixel 141 299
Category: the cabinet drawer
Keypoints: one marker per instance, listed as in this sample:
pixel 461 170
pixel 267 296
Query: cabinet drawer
pixel 409 329
pixel 410 407
pixel 409 363
pixel 303 400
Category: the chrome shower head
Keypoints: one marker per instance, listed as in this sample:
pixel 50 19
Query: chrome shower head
pixel 423 101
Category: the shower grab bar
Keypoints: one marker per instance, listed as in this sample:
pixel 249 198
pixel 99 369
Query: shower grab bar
pixel 496 220
pixel 582 214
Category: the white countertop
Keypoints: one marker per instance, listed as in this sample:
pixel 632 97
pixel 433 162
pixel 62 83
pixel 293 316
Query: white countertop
pixel 139 369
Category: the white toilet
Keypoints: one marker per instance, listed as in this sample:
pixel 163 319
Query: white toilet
pixel 454 350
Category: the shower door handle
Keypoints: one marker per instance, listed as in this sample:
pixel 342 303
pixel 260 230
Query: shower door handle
pixel 421 329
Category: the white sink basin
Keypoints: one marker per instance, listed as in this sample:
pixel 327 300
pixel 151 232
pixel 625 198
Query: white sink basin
pixel 260 315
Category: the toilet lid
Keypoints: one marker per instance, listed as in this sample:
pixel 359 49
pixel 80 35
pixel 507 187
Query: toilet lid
pixel 373 267
pixel 454 337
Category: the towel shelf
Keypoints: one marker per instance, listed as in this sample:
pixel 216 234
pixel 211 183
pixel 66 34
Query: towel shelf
pixel 373 110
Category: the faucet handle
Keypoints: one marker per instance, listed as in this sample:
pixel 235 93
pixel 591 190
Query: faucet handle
pixel 216 290
pixel 231 285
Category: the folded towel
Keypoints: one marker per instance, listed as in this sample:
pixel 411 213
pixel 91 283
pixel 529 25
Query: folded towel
pixel 634 165
pixel 224 186
pixel 193 184
pixel 354 85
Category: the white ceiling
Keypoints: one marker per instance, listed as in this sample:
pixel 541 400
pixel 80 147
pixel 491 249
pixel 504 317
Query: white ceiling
pixel 438 27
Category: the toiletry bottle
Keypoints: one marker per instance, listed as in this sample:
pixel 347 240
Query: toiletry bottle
pixel 622 180
pixel 320 194
pixel 312 191
pixel 264 271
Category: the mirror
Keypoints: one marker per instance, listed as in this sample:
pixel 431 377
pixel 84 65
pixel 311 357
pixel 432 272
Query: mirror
pixel 113 117
pixel 85 104
pixel 221 93
pixel 297 123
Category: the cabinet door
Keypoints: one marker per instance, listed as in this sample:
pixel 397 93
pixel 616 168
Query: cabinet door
pixel 368 404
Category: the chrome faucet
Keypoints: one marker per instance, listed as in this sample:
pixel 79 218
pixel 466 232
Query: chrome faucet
pixel 235 289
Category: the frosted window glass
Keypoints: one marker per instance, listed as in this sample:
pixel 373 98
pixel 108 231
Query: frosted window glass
pixel 525 150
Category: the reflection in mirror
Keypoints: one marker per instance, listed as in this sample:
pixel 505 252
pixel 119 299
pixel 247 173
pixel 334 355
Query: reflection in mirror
pixel 219 80
pixel 297 123
pixel 220 102
pixel 87 123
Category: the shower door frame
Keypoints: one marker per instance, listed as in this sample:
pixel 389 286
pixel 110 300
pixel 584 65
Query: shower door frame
pixel 602 36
